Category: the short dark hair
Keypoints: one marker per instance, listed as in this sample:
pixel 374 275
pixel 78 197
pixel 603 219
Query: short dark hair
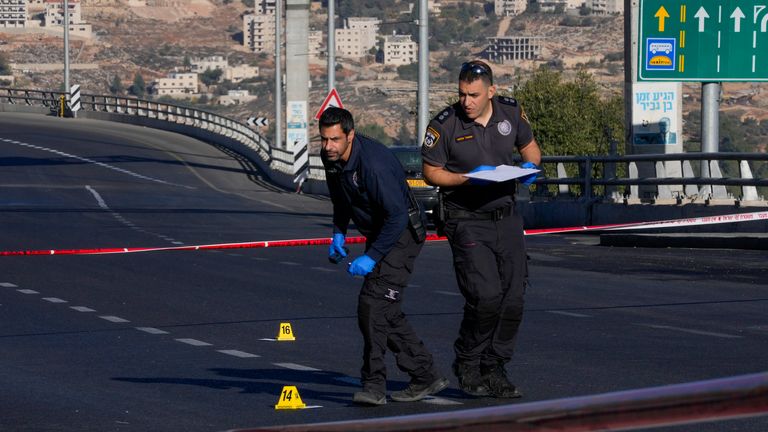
pixel 334 115
pixel 475 70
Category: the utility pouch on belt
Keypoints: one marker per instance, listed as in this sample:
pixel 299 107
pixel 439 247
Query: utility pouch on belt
pixel 440 219
pixel 415 222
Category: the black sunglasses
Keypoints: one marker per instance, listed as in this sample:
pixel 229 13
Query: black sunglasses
pixel 473 70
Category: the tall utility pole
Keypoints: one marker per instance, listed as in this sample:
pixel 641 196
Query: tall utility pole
pixel 331 45
pixel 423 97
pixel 66 50
pixel 278 79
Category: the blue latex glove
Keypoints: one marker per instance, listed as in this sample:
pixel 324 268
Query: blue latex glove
pixel 479 182
pixel 530 178
pixel 361 266
pixel 337 247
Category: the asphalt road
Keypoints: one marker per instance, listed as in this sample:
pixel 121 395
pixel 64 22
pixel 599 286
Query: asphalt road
pixel 183 341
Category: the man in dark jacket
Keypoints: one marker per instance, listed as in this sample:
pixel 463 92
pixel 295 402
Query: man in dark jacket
pixel 367 185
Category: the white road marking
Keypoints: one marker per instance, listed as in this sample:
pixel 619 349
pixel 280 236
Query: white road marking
pixel 448 293
pixel 298 367
pixel 570 314
pixel 114 319
pixel 234 255
pixel 193 342
pixel 323 269
pixel 434 400
pixel 101 164
pixel 7 285
pixel 151 330
pixel 290 263
pixel 691 331
pixel 268 339
pixel 348 380
pixel 82 309
pixel 27 291
pixel 177 242
pixel 54 300
pixel 241 354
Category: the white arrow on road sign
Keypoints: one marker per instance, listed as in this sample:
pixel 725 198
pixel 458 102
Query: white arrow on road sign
pixel 737 16
pixel 701 15
pixel 257 121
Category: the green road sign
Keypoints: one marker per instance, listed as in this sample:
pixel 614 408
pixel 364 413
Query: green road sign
pixel 703 40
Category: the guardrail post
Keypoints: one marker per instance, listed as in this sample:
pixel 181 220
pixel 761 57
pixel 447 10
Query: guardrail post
pixel 690 190
pixel 634 190
pixel 718 191
pixel 587 193
pixel 562 189
pixel 748 193
pixel 662 191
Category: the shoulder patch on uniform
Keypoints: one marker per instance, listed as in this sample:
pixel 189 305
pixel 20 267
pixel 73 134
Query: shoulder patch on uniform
pixel 430 138
pixel 508 100
pixel 443 116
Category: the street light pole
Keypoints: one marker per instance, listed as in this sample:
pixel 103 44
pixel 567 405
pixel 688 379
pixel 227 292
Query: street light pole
pixel 423 97
pixel 66 50
pixel 278 79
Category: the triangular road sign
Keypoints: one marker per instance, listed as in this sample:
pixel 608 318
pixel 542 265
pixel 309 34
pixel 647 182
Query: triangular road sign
pixel 332 100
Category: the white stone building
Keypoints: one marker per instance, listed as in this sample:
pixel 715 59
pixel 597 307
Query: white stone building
pixel 357 37
pixel 510 7
pixel 200 65
pixel 13 13
pixel 176 84
pixel 606 7
pixel 54 16
pixel 259 27
pixel 240 72
pixel 400 50
pixel 510 48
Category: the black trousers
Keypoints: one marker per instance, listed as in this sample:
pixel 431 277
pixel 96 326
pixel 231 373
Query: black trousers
pixel 383 323
pixel 491 270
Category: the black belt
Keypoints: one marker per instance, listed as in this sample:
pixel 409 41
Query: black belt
pixel 495 215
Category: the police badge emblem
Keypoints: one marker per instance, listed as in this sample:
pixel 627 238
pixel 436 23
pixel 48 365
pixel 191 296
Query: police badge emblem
pixel 505 127
pixel 431 137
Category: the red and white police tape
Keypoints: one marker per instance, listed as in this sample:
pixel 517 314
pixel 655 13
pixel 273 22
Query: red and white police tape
pixel 705 220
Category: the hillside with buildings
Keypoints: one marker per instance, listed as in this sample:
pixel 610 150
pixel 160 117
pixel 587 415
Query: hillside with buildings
pixel 219 54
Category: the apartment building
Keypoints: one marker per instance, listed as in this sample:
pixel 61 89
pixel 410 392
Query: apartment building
pixel 510 48
pixel 510 7
pixel 176 84
pixel 13 13
pixel 400 50
pixel 357 37
pixel 200 65
pixel 55 16
pixel 606 7
pixel 259 27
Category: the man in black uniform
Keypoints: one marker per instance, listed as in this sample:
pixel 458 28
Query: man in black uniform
pixel 367 184
pixel 478 133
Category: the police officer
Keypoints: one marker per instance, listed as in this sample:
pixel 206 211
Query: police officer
pixel 479 132
pixel 367 185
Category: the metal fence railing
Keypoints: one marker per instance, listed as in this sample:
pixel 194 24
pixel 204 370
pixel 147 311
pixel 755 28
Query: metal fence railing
pixel 654 176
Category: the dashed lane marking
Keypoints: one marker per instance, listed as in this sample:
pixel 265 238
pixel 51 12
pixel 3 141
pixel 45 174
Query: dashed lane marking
pixel 151 330
pixel 27 291
pixel 7 285
pixel 348 380
pixel 298 367
pixel 54 300
pixel 290 263
pixel 570 314
pixel 114 319
pixel 240 354
pixel 434 400
pixel 691 331
pixel 82 309
pixel 193 342
pixel 323 269
pixel 448 293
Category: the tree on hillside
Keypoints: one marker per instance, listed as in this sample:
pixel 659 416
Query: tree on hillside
pixel 116 86
pixel 571 118
pixel 5 67
pixel 139 87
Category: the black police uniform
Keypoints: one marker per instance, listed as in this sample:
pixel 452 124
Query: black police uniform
pixel 370 189
pixel 485 233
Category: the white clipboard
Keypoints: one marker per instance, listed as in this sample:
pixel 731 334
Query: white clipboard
pixel 502 173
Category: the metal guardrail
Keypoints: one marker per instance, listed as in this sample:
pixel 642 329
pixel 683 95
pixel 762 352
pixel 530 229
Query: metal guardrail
pixel 701 401
pixel 638 183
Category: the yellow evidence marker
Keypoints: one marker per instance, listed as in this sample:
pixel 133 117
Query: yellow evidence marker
pixel 284 333
pixel 290 399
